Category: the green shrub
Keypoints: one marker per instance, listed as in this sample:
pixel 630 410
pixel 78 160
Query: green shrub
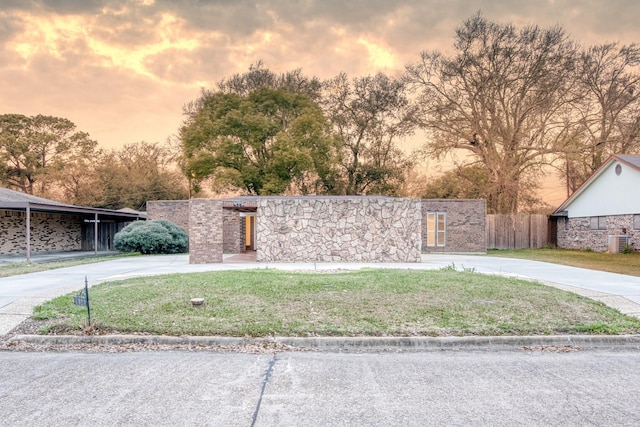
pixel 152 237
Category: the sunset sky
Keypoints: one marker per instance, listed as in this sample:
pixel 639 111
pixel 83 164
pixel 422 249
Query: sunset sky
pixel 122 70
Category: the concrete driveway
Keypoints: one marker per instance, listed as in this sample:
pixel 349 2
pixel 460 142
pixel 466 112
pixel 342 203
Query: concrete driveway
pixel 19 294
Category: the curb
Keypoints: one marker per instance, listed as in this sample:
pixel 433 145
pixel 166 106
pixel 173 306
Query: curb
pixel 348 343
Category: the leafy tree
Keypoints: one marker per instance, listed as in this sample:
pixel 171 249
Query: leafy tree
pixel 464 182
pixel 607 110
pixel 152 237
pixel 266 142
pixel 501 99
pixel 34 150
pixel 371 114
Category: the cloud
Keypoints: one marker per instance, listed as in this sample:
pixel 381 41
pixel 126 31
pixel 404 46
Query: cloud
pixel 126 67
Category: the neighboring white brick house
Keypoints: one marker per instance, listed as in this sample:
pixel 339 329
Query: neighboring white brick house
pixel 604 213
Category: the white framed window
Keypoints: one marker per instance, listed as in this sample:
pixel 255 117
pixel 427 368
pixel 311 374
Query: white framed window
pixel 436 228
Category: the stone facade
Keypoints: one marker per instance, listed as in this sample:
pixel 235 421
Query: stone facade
pixel 49 232
pixel 465 225
pixel 342 229
pixel 175 211
pixel 233 234
pixel 205 231
pixel 577 233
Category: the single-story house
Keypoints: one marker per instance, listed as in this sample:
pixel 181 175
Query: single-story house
pixel 30 224
pixel 326 228
pixel 604 213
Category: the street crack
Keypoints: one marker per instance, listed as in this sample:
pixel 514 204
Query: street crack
pixel 267 376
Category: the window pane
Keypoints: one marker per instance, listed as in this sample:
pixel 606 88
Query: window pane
pixel 441 228
pixel 431 229
pixel 602 223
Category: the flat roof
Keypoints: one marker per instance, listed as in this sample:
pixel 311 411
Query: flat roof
pixel 15 200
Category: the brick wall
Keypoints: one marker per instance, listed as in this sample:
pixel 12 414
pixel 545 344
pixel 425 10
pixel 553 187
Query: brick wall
pixel 176 211
pixel 233 234
pixel 576 233
pixel 465 225
pixel 49 232
pixel 343 229
pixel 205 231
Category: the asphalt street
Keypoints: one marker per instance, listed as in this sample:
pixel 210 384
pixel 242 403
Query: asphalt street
pixel 452 388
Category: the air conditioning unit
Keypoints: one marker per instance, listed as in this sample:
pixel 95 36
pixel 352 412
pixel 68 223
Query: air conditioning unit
pixel 617 243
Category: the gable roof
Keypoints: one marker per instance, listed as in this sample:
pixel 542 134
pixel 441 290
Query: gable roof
pixel 16 200
pixel 630 160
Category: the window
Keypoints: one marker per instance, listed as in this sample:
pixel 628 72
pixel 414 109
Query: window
pixel 636 222
pixel 598 222
pixel 436 228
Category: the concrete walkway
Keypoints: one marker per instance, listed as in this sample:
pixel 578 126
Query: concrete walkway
pixel 19 294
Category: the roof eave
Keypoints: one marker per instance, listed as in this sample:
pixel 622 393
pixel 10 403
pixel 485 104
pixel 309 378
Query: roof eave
pixel 43 207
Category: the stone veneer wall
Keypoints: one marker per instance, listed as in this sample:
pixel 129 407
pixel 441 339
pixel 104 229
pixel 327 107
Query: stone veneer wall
pixel 342 229
pixel 205 231
pixel 576 233
pixel 233 234
pixel 465 225
pixel 49 232
pixel 176 211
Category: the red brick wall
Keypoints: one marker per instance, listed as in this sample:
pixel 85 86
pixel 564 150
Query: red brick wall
pixel 233 237
pixel 465 225
pixel 205 231
pixel 176 211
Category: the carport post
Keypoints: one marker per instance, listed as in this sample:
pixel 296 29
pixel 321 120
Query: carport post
pixel 27 214
pixel 95 233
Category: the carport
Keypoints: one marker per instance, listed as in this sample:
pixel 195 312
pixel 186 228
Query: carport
pixel 88 228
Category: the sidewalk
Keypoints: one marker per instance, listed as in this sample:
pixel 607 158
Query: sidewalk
pixel 19 294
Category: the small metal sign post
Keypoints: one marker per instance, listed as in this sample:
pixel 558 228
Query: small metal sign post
pixel 82 299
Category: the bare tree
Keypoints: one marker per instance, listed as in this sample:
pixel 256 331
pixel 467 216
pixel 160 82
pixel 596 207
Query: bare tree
pixel 259 77
pixel 500 99
pixel 607 110
pixel 371 115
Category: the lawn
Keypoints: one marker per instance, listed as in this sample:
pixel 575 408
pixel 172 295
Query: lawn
pixel 260 303
pixel 613 263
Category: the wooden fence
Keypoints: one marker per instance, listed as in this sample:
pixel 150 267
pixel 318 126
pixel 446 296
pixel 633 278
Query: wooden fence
pixel 517 231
